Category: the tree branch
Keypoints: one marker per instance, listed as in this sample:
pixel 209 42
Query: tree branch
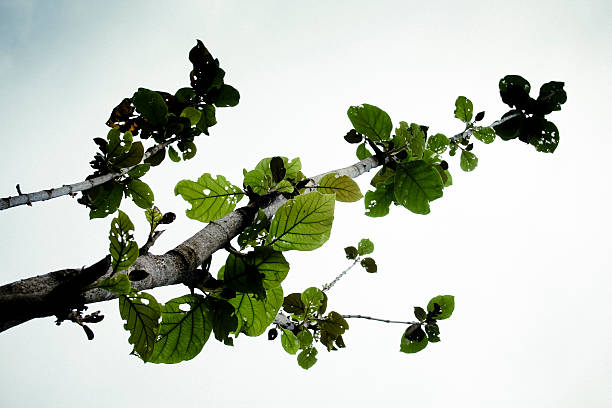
pixel 377 319
pixel 468 132
pixel 34 297
pixel 70 189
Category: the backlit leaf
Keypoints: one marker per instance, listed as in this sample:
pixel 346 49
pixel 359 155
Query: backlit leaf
pixel 185 328
pixel 416 184
pixel 438 143
pixel 370 121
pixel 302 223
pixel 119 284
pixel 141 313
pixel 469 161
pixel 123 248
pixel 256 315
pixel 210 199
pixel 463 109
pixel 447 305
pixel 151 106
pixel 365 247
pixel 344 187
pixel 290 342
pixel 307 358
pixel 484 134
pixel 141 193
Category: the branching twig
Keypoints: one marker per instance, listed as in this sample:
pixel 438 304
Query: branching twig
pixel 377 319
pixel 71 189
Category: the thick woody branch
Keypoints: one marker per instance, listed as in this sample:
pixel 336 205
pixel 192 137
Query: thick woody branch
pixel 71 189
pixel 38 296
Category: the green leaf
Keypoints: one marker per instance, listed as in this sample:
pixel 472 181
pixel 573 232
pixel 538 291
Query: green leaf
pixel 370 121
pixel 157 158
pixel 228 96
pixel 139 171
pixel 185 95
pixel 290 342
pixel 131 158
pixel 365 247
pixel 210 199
pixel 151 106
pixel 307 358
pixel 463 109
pixel 251 234
pixel 114 147
pixel 256 179
pixel 189 150
pixel 107 199
pixel 381 176
pixel 123 248
pixel 484 134
pixel 173 154
pixel 292 168
pixel 433 332
pixel 153 216
pixel 344 187
pixel 262 267
pixel 119 285
pixel 402 135
pixel 284 187
pixel 185 328
pixel 141 193
pixel 293 304
pixel 334 324
pixel 363 152
pixel 416 141
pixel 141 313
pixel 438 143
pixel 420 313
pixel 302 223
pixel 207 119
pixel 469 161
pixel 416 184
pixel 222 317
pixel 369 264
pixel 412 346
pixel 312 298
pixel 255 315
pixel 377 202
pixel 447 304
pixel 192 114
pixel 305 338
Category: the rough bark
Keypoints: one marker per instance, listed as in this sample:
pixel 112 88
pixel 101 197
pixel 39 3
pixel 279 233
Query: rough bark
pixel 55 292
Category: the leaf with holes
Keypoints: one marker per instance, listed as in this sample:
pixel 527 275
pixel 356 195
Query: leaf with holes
pixel 307 358
pixel 446 303
pixel 152 107
pixel 153 216
pixel 254 315
pixel 262 268
pixel 469 161
pixel 377 202
pixel 123 248
pixel 290 342
pixel 185 328
pixel 484 134
pixel 416 184
pixel 344 187
pixel 464 109
pixel 292 168
pixel 119 284
pixel 210 199
pixel 141 193
pixel 141 313
pixel 302 223
pixel 370 121
pixel 365 247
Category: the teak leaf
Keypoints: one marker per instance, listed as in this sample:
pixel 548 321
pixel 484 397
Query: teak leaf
pixel 141 313
pixel 210 199
pixel 185 328
pixel 302 223
pixel 416 184
pixel 344 187
pixel 370 121
pixel 123 248
pixel 254 315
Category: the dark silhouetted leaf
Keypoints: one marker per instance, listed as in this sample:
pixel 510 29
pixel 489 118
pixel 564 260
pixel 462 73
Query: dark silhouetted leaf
pixel 293 304
pixel 514 91
pixel 141 193
pixel 277 168
pixel 551 97
pixel 369 264
pixel 479 116
pixel 353 137
pixel 151 106
pixel 351 252
pixel 420 313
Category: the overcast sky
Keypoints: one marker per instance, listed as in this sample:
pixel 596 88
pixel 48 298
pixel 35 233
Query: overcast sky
pixel 522 242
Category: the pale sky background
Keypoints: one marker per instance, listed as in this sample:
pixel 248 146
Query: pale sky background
pixel 522 242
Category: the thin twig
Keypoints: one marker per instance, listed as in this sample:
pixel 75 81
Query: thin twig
pixel 328 286
pixel 150 242
pixel 71 189
pixel 377 319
